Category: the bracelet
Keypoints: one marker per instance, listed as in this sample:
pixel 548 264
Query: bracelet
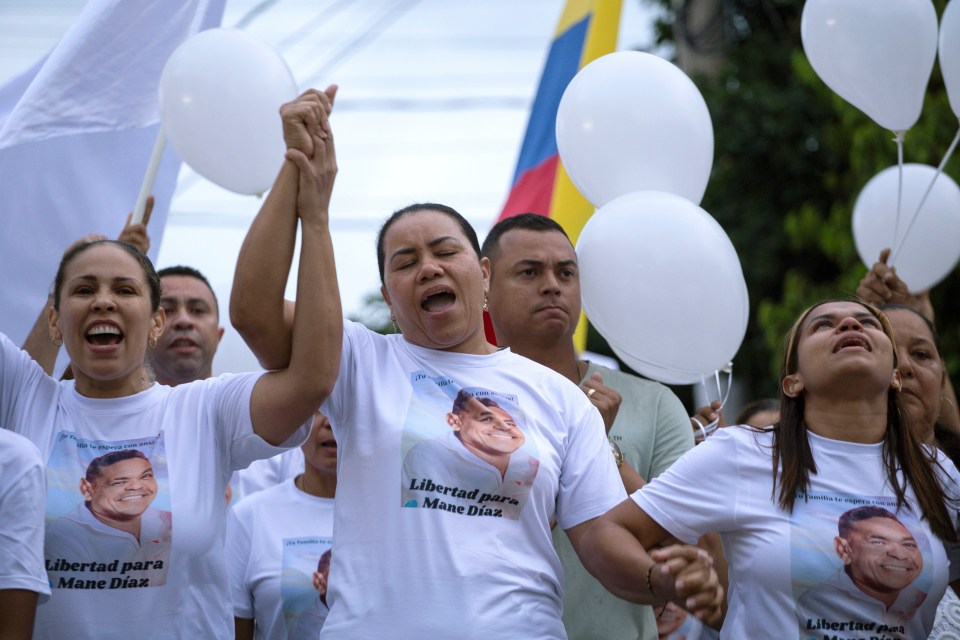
pixel 649 582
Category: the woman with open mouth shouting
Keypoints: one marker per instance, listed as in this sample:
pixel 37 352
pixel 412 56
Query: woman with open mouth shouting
pixel 164 576
pixel 461 545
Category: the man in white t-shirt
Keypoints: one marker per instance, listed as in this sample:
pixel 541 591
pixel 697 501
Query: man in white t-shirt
pixel 881 560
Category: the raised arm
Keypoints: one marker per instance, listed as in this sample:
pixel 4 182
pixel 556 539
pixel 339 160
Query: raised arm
pixel 285 398
pixel 258 310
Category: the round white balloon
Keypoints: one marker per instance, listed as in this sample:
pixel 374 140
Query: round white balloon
pixel 931 247
pixel 877 55
pixel 220 93
pixel 950 53
pixel 662 282
pixel 658 373
pixel 631 121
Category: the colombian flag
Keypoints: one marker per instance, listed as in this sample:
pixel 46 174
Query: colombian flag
pixel 587 30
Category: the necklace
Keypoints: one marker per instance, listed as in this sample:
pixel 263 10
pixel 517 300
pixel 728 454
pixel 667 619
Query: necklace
pixel 581 370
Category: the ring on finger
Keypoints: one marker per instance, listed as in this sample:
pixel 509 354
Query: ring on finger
pixel 591 392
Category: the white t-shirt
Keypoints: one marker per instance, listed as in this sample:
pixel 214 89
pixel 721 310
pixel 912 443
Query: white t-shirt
pixel 23 487
pixel 775 558
pixel 454 563
pixel 193 436
pixel 266 473
pixel 275 539
pixel 446 461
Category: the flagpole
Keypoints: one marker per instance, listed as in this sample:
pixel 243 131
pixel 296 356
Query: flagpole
pixel 150 177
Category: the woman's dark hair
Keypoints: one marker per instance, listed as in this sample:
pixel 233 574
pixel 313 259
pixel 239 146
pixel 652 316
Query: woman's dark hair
pixel 149 273
pixel 468 231
pixel 902 449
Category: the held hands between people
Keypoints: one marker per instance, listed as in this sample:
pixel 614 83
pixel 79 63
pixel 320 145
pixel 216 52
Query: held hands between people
pixel 606 399
pixel 306 117
pixel 685 574
pixel 310 147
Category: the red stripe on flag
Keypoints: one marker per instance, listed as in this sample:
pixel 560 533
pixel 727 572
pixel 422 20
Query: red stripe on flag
pixel 533 191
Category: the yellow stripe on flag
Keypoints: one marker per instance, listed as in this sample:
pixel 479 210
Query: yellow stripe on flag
pixel 573 12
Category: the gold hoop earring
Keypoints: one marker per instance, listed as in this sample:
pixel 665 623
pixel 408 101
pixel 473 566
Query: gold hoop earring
pixel 152 342
pixel 57 341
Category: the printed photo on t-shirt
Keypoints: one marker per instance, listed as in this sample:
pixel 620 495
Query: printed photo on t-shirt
pixel 304 583
pixel 108 520
pixel 464 450
pixel 860 568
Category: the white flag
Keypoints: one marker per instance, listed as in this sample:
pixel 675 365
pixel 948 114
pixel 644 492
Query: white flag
pixel 76 133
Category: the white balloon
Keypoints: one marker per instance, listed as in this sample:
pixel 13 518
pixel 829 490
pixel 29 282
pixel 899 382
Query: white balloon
pixel 630 121
pixel 876 54
pixel 654 372
pixel 932 246
pixel 950 53
pixel 662 282
pixel 220 93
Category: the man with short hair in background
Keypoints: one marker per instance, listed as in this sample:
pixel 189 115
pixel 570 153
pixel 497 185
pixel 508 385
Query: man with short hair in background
pixel 534 304
pixel 185 350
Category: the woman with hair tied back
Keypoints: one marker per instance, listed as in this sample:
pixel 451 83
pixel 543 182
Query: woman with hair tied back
pixel 467 553
pixel 836 520
pixel 106 312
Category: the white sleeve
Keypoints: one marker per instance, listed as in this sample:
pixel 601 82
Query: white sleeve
pixel 234 422
pixel 23 490
pixel 22 384
pixel 356 339
pixel 950 480
pixel 699 492
pixel 590 484
pixel 238 558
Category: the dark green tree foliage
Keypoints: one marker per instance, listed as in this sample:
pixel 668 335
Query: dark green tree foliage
pixel 790 159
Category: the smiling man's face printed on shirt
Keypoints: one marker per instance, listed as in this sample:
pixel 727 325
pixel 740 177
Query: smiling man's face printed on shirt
pixel 122 490
pixel 486 428
pixel 880 555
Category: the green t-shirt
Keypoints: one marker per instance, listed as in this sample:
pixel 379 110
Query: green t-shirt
pixel 653 430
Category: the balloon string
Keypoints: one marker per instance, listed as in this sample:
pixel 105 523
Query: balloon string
pixel 953 145
pixel 723 394
pixel 898 138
